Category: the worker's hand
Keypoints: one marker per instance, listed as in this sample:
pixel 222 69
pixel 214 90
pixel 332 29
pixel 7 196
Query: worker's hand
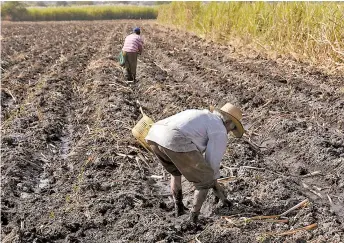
pixel 224 203
pixel 227 203
pixel 219 191
pixel 220 195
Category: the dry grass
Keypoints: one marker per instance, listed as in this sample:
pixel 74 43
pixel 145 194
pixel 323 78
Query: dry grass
pixel 306 31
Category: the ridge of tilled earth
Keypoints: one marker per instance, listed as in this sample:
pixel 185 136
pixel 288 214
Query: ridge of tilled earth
pixel 72 172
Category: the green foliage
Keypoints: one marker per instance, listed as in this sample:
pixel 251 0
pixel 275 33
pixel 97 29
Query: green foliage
pixel 52 215
pixel 312 30
pixel 90 13
pixel 13 11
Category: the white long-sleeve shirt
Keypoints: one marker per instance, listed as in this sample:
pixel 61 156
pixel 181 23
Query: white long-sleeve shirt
pixel 193 130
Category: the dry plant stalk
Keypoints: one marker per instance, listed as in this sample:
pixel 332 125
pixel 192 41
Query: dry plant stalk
pixel 290 232
pixel 263 218
pixel 252 168
pixel 277 220
pixel 312 174
pixel 314 192
pixel 330 200
pixel 144 160
pixel 304 202
pixel 270 218
pixel 226 179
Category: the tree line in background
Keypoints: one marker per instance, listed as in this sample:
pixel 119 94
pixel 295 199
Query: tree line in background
pixel 69 3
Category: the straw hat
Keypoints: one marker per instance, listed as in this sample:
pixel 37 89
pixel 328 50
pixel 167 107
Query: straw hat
pixel 233 113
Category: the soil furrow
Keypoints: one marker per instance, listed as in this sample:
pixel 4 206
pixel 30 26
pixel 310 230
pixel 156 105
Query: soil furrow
pixel 72 171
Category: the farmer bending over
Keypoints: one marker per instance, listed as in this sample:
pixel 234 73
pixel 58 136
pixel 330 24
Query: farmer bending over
pixel 179 142
pixel 133 45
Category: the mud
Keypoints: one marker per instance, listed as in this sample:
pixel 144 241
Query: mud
pixel 72 172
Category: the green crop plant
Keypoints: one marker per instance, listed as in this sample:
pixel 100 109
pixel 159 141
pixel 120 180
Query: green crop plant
pixel 52 215
pixel 89 13
pixel 263 238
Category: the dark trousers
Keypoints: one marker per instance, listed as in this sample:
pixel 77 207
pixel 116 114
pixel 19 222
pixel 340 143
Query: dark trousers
pixel 130 65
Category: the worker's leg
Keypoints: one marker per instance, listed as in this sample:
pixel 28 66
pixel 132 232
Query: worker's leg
pixel 177 193
pixel 199 197
pixel 127 73
pixel 132 57
pixel 176 178
pixel 195 169
pixel 134 67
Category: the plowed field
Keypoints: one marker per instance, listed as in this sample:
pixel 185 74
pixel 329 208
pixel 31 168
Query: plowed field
pixel 72 172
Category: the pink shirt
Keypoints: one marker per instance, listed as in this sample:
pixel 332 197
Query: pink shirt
pixel 133 43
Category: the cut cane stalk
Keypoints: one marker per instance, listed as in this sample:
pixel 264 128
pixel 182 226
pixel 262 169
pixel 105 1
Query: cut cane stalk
pixel 330 200
pixel 263 218
pixel 270 218
pixel 267 218
pixel 304 202
pixel 252 168
pixel 314 173
pixel 144 160
pixel 291 232
pixel 314 192
pixel 277 220
pixel 226 179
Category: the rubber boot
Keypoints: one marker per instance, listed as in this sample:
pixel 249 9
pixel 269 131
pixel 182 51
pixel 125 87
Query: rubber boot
pixel 177 193
pixel 128 75
pixel 194 217
pixel 178 204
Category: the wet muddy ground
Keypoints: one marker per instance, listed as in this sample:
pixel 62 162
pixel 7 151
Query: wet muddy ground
pixel 72 172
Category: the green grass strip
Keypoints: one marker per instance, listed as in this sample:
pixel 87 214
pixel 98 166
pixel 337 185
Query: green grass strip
pixel 88 13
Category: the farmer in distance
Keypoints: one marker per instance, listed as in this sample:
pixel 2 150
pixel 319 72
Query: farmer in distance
pixel 179 142
pixel 133 45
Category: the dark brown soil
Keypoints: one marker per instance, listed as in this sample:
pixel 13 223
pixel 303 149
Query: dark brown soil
pixel 72 171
